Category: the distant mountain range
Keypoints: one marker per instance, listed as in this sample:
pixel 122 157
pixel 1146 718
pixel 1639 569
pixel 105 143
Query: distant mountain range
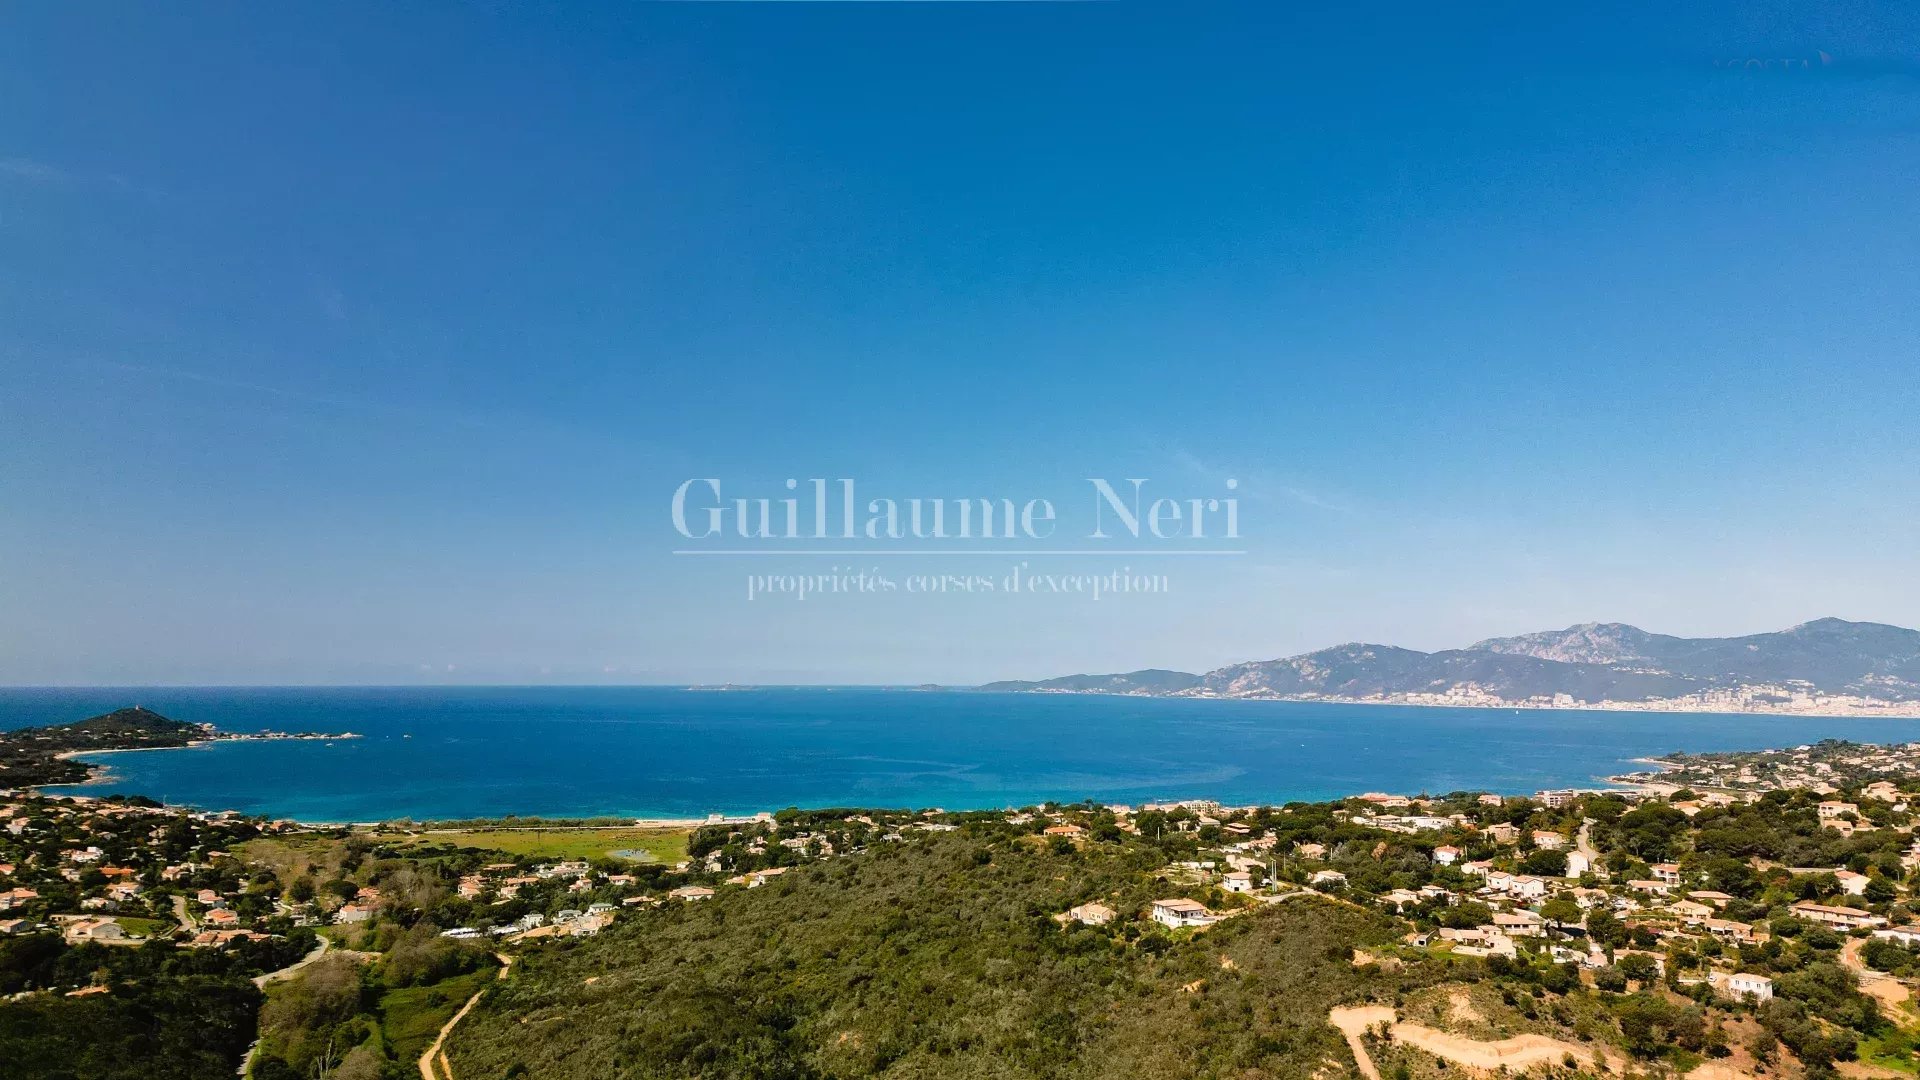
pixel 1828 666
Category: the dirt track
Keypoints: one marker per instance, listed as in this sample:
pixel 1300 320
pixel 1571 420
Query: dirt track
pixel 1353 1021
pixel 427 1071
pixel 1517 1053
pixel 1890 991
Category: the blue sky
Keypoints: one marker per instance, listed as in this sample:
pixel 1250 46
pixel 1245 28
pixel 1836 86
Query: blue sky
pixel 367 344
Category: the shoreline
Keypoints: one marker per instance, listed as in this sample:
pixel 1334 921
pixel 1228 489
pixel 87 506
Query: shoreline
pixel 1645 787
pixel 1907 711
pixel 76 755
pixel 195 744
pixel 557 822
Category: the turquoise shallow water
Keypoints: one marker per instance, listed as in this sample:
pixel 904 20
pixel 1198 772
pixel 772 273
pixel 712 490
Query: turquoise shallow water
pixel 645 751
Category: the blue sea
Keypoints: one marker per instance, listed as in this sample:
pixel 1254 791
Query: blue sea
pixel 657 752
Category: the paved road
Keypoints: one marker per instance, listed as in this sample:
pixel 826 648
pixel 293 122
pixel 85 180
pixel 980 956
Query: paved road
pixel 1583 843
pixel 180 913
pixel 319 951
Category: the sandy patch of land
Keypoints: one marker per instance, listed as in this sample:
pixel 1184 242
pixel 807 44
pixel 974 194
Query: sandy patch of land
pixel 1463 1010
pixel 1353 1022
pixel 1515 1054
pixel 1888 990
pixel 1363 958
pixel 1719 1070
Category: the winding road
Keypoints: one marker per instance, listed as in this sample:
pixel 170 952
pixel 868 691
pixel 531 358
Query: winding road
pixel 1517 1053
pixel 1583 843
pixel 180 913
pixel 287 972
pixel 1890 991
pixel 446 1069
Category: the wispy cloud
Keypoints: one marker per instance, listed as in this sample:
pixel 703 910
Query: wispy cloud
pixel 1260 485
pixel 34 171
pixel 300 396
pixel 497 424
pixel 37 171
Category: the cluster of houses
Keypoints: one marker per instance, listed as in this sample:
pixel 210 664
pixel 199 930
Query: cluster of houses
pixel 108 868
pixel 567 922
pixel 501 883
pixel 1660 904
pixel 1666 905
pixel 81 865
pixel 1820 768
pixel 760 848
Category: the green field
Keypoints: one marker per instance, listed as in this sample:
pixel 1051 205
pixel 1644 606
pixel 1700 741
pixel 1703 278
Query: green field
pixel 294 856
pixel 410 1019
pixel 662 845
pixel 145 927
pixel 1893 1049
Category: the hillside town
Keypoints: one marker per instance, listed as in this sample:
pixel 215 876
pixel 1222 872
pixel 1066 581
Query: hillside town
pixel 1822 768
pixel 128 871
pixel 1521 877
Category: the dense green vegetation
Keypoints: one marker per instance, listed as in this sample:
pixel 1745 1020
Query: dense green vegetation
pixel 936 959
pixel 850 943
pixel 1780 827
pixel 166 1011
pixel 191 1028
pixel 346 1019
pixel 943 956
pixel 42 960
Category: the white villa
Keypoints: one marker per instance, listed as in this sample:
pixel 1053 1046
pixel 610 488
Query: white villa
pixel 1180 912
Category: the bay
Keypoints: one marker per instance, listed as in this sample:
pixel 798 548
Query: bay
pixel 448 752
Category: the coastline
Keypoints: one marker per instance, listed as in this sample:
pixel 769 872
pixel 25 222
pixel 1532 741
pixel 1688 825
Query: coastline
pixel 1643 786
pixel 195 744
pixel 539 821
pixel 74 755
pixel 98 773
pixel 1904 711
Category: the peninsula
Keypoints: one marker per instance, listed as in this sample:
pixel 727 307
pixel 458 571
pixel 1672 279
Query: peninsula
pixel 38 756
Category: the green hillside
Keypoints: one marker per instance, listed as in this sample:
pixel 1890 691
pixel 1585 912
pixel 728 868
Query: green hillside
pixel 936 959
pixel 136 722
